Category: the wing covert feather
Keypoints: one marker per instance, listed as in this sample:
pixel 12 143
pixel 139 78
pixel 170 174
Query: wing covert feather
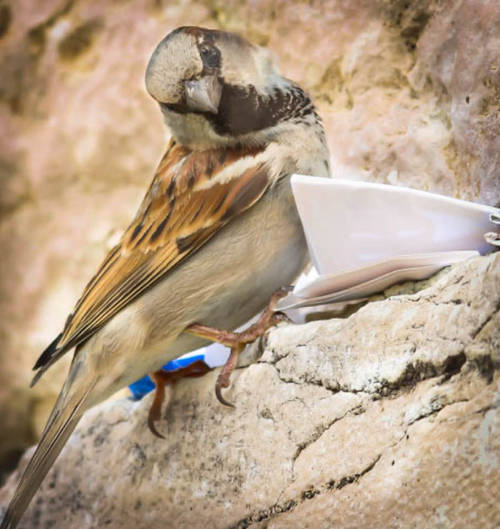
pixel 185 205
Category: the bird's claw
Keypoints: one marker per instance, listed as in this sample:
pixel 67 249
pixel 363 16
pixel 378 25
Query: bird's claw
pixel 152 419
pixel 161 379
pixel 224 378
pixel 237 340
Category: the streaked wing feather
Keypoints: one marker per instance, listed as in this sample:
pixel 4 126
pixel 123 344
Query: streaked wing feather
pixel 179 214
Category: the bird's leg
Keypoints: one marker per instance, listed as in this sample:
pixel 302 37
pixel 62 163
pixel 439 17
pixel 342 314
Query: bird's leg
pixel 161 379
pixel 237 340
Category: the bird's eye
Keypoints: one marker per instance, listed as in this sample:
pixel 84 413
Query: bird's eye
pixel 210 56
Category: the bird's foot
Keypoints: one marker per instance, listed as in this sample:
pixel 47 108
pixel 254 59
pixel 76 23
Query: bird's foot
pixel 237 340
pixel 161 379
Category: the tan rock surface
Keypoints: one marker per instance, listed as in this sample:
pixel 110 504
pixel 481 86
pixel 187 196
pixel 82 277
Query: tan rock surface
pixel 386 419
pixel 408 91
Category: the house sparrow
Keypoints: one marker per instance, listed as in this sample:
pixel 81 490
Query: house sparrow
pixel 216 234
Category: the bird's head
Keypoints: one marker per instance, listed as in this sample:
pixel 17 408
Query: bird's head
pixel 189 67
pixel 215 87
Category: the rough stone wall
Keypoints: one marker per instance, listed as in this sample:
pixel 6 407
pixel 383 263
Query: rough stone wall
pixel 408 91
pixel 386 419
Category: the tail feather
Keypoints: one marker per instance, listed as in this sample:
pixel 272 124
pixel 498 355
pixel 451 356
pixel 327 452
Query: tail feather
pixel 62 421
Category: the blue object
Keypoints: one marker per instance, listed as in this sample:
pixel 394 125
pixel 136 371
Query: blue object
pixel 145 385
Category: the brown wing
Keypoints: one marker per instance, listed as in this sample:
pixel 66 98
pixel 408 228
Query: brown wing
pixel 193 194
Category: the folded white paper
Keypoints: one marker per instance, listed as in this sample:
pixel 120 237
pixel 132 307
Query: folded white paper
pixel 364 237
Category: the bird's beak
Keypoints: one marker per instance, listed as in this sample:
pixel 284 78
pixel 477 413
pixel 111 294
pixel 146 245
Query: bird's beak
pixel 203 95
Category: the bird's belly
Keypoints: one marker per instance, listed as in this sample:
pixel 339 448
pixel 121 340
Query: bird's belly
pixel 224 284
pixel 233 276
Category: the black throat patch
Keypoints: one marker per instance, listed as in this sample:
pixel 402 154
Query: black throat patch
pixel 243 109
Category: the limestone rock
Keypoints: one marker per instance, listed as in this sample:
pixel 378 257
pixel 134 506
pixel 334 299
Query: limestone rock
pixel 408 91
pixel 386 419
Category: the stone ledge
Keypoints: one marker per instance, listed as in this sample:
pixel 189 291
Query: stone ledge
pixel 388 418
